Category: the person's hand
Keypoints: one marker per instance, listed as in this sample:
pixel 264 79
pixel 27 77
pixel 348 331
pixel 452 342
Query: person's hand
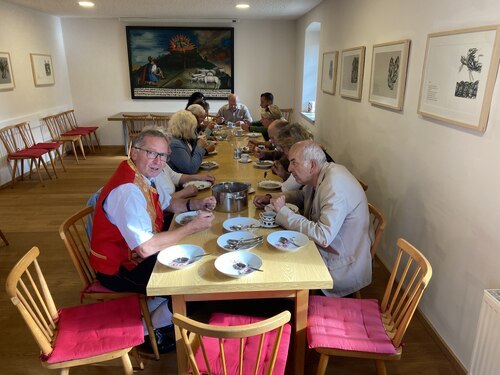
pixel 210 147
pixel 245 126
pixel 278 169
pixel 278 203
pixel 208 203
pixel 202 142
pixel 205 177
pixel 188 191
pixel 219 120
pixel 201 222
pixel 252 145
pixel 259 153
pixel 211 124
pixel 260 201
pixel 239 123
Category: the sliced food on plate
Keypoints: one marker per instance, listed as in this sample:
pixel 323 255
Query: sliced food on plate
pixel 200 185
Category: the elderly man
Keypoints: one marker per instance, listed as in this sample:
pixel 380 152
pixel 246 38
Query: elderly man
pixel 233 111
pixel 335 217
pixel 268 115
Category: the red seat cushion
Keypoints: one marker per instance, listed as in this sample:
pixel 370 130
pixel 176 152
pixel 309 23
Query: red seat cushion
pixel 89 128
pixel 347 324
pixel 97 328
pixel 28 153
pixel 47 145
pixel 251 347
pixel 77 131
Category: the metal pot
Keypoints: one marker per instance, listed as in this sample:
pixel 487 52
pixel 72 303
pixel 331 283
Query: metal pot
pixel 230 196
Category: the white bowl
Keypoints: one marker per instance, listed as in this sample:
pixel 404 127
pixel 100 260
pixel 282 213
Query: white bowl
pixel 180 256
pixel 300 239
pixel 247 223
pixel 263 164
pixel 209 165
pixel 270 184
pixel 185 217
pixel 237 235
pixel 226 263
pixel 253 135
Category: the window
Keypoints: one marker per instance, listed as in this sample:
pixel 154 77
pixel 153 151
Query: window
pixel 310 75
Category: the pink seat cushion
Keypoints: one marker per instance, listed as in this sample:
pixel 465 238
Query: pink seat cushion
pixel 97 287
pixel 97 328
pixel 347 324
pixel 251 347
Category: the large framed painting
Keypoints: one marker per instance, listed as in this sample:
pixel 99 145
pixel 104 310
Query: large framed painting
pixel 351 76
pixel 388 74
pixel 6 77
pixel 329 72
pixel 459 75
pixel 174 62
pixel 43 70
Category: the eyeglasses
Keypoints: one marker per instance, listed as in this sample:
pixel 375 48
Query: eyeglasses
pixel 153 154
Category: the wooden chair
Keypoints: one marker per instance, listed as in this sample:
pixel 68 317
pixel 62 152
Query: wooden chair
pixel 286 113
pixel 363 184
pixel 135 124
pixel 67 130
pixel 29 141
pixel 106 330
pixel 15 153
pixel 332 328
pixel 378 223
pixel 58 135
pixel 70 118
pixel 222 347
pixel 2 236
pixel 75 234
pixel 160 120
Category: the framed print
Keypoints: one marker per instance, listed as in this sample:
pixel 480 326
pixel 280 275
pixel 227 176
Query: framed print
pixel 351 77
pixel 459 74
pixel 6 76
pixel 329 72
pixel 43 70
pixel 388 74
pixel 174 62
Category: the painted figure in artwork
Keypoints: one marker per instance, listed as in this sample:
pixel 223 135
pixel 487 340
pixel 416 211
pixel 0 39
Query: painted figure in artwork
pixel 151 73
pixel 354 70
pixel 468 89
pixel 392 76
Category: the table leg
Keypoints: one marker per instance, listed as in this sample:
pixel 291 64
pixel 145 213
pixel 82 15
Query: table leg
pixel 179 306
pixel 301 306
pixel 125 136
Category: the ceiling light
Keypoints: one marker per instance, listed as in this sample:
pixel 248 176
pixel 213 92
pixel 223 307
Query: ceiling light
pixel 242 6
pixel 86 4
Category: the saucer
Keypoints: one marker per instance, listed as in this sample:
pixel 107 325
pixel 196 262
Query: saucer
pixel 245 162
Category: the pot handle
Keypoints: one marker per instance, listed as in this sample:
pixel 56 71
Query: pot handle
pixel 239 198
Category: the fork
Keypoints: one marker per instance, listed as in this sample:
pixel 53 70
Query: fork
pixel 265 174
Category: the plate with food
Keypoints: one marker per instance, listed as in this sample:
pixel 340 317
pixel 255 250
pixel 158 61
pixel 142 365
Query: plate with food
pixel 185 217
pixel 180 256
pixel 263 164
pixel 270 184
pixel 238 263
pixel 291 206
pixel 200 185
pixel 238 240
pixel 240 223
pixel 253 135
pixel 287 240
pixel 209 165
pixel 214 152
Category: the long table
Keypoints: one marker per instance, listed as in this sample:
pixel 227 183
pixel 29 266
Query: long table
pixel 286 274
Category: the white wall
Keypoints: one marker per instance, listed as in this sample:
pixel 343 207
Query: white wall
pixel 96 50
pixel 436 183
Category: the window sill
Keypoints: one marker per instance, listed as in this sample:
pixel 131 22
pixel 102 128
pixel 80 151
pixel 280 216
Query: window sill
pixel 309 116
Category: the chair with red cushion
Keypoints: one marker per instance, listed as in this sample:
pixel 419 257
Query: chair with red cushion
pixel 78 335
pixel 362 328
pixel 72 127
pixel 58 134
pixel 236 344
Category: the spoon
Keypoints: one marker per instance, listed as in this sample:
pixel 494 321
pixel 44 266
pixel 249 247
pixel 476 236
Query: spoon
pixel 241 266
pixel 240 227
pixel 285 241
pixel 186 259
pixel 237 245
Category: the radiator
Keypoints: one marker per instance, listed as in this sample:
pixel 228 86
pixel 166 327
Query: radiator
pixel 486 351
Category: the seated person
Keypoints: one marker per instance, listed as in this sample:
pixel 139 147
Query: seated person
pixel 335 216
pixel 268 152
pixel 233 111
pixel 195 96
pixel 270 114
pixel 208 124
pixel 266 99
pixel 203 127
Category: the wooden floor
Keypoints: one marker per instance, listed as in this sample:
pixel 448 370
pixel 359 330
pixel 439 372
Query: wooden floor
pixel 30 215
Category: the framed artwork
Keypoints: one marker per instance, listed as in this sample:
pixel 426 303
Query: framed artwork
pixel 43 70
pixel 459 74
pixel 174 62
pixel 6 76
pixel 388 74
pixel 351 77
pixel 329 72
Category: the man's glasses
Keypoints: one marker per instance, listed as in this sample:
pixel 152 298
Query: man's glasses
pixel 153 154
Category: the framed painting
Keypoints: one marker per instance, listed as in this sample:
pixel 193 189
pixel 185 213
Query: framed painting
pixel 459 74
pixel 174 62
pixel 388 74
pixel 43 70
pixel 6 76
pixel 329 72
pixel 351 77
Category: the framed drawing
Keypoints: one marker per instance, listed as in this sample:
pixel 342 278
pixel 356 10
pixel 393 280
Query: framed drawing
pixel 6 76
pixel 43 71
pixel 351 77
pixel 459 75
pixel 174 62
pixel 388 74
pixel 329 72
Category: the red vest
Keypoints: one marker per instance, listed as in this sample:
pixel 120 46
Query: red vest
pixel 109 250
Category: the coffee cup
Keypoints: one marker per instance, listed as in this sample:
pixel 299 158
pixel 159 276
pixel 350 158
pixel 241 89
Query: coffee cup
pixel 268 218
pixel 245 158
pixel 239 133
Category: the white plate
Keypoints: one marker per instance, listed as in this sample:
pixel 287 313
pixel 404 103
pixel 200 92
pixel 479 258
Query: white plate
pixel 214 152
pixel 185 217
pixel 291 206
pixel 225 263
pixel 297 237
pixel 238 235
pixel 253 135
pixel 270 185
pixel 180 256
pixel 246 223
pixel 246 162
pixel 200 185
pixel 209 165
pixel 264 164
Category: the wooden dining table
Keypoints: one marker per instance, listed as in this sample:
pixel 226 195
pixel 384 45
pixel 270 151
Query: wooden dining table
pixel 286 274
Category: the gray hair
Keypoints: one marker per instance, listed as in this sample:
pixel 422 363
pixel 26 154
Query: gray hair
pixel 272 112
pixel 312 151
pixel 151 131
pixel 196 109
pixel 291 134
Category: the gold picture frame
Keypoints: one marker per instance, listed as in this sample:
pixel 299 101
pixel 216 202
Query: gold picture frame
pixel 6 76
pixel 329 72
pixel 43 70
pixel 352 71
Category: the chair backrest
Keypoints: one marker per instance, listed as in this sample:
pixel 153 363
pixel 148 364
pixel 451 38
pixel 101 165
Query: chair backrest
pixel 402 297
pixel 52 123
pixel 26 134
pixel 194 332
pixel 64 122
pixel 73 232
pixel 160 120
pixel 377 224
pixel 135 124
pixel 363 184
pixel 28 291
pixel 8 139
pixel 70 118
pixel 286 113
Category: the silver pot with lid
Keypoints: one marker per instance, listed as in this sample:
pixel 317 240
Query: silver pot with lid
pixel 231 196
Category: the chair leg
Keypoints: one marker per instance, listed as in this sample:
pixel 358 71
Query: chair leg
pixel 2 236
pixel 14 169
pixel 127 365
pixel 60 159
pixel 39 173
pixel 53 164
pixel 322 364
pixel 74 152
pixel 380 366
pixel 97 140
pixel 137 358
pixel 149 325
pixel 81 148
pixel 40 160
pixel 65 371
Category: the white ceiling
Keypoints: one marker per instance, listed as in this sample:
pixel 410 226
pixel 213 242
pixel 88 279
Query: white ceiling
pixel 173 9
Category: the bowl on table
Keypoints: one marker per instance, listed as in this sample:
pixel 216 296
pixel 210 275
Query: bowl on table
pixel 238 263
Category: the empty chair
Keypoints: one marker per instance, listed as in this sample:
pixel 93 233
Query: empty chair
pixel 75 233
pixel 57 133
pixel 135 124
pixel 77 335
pixel 67 129
pixel 362 328
pixel 71 118
pixel 235 344
pixel 286 113
pixel 160 120
pixel 16 154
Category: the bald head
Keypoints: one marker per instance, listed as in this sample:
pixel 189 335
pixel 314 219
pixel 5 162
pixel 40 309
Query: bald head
pixel 232 100
pixel 274 129
pixel 306 160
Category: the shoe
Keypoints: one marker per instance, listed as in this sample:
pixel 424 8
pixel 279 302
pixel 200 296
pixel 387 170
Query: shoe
pixel 165 343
